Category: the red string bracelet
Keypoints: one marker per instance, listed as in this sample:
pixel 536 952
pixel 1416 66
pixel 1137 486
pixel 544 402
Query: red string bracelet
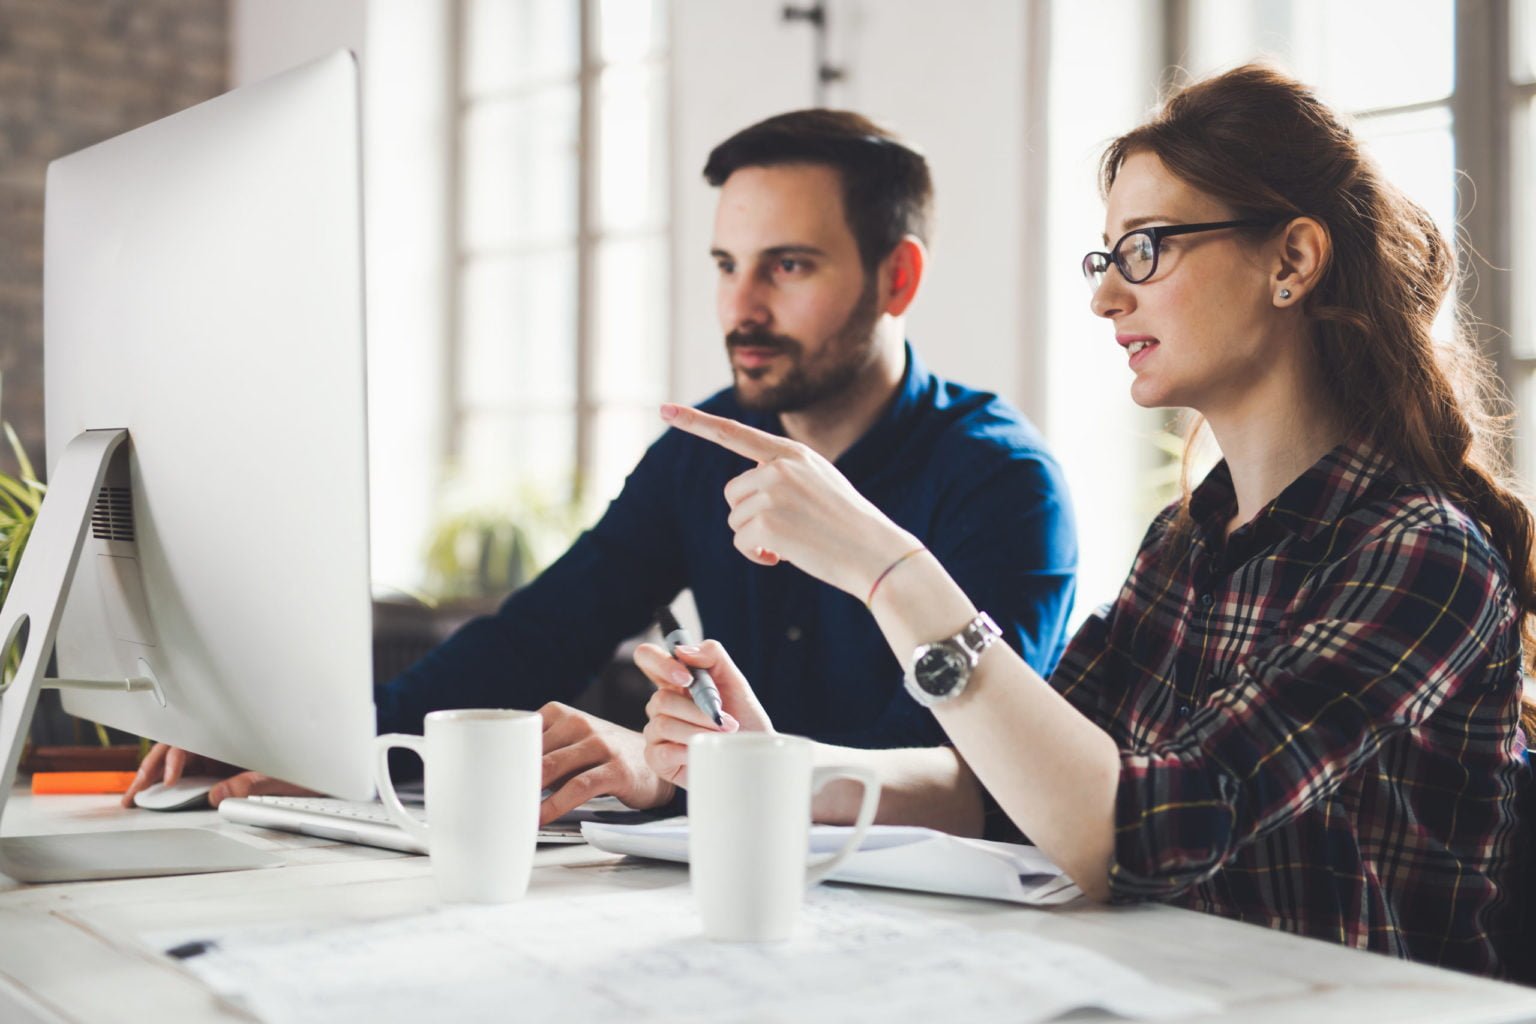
pixel 870 600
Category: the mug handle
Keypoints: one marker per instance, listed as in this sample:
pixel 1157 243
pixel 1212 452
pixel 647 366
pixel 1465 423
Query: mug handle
pixel 381 748
pixel 819 870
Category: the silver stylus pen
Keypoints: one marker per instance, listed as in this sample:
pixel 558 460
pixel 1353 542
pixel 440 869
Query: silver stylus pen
pixel 702 689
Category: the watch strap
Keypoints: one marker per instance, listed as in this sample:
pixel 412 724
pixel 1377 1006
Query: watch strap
pixel 978 634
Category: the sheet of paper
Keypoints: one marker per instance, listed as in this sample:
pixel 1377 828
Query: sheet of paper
pixel 640 957
pixel 898 857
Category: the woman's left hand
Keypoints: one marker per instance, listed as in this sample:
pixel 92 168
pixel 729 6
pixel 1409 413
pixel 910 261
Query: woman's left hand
pixel 796 507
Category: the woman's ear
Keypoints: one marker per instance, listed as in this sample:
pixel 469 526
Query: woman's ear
pixel 900 274
pixel 1304 251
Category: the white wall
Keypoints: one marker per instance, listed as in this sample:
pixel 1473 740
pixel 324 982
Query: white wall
pixel 402 52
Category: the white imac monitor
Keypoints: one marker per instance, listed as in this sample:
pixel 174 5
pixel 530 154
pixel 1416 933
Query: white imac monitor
pixel 204 294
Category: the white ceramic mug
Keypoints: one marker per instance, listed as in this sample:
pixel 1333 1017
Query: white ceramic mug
pixel 749 814
pixel 482 789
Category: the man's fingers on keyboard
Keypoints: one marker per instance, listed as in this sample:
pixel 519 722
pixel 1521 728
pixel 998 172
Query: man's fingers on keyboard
pixel 255 784
pixel 573 794
pixel 265 785
pixel 238 785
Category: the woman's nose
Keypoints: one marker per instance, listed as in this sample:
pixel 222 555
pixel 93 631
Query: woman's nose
pixel 1112 297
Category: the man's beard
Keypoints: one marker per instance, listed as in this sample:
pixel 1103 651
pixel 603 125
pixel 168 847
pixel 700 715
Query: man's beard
pixel 808 382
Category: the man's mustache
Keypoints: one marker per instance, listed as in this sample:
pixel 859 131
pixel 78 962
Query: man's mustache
pixel 755 339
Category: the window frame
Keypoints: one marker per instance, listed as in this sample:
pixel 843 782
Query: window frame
pixel 587 405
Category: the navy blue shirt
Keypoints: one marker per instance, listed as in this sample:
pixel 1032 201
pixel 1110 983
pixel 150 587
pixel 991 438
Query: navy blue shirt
pixel 960 469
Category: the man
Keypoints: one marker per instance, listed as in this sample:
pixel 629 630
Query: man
pixel 819 241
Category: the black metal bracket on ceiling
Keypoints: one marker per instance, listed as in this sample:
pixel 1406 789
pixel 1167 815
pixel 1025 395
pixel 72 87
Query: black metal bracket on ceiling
pixel 815 15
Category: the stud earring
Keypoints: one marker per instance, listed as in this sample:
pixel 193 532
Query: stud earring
pixel 1285 293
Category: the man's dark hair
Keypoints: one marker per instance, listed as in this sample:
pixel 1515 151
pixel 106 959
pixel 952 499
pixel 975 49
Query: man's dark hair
pixel 887 191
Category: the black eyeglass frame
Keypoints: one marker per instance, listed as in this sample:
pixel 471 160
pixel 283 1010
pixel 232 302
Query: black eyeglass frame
pixel 1156 234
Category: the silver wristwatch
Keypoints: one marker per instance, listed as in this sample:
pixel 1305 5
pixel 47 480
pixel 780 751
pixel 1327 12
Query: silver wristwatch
pixel 940 670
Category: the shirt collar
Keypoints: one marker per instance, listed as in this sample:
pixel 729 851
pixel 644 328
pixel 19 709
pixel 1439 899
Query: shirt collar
pixel 871 452
pixel 1312 502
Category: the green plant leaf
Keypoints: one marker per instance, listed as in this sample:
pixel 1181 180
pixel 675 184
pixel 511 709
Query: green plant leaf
pixel 17 495
pixel 10 553
pixel 13 548
pixel 27 472
pixel 11 545
pixel 18 513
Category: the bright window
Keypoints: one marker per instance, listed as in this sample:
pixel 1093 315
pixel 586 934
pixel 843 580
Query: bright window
pixel 1521 358
pixel 1108 445
pixel 559 344
pixel 1397 85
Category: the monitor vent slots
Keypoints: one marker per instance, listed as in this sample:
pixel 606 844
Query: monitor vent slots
pixel 112 518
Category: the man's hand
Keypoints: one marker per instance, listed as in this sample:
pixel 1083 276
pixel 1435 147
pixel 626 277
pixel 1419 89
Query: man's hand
pixel 675 718
pixel 586 757
pixel 168 764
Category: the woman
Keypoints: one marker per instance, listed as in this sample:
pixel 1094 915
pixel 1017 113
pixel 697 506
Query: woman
pixel 1302 709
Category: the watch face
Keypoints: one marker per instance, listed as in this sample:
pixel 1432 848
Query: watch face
pixel 939 669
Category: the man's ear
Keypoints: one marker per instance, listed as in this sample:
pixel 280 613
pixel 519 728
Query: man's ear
pixel 1305 248
pixel 900 274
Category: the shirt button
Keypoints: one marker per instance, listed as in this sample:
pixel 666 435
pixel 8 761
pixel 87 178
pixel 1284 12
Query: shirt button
pixel 792 634
pixel 1184 711
pixel 1206 600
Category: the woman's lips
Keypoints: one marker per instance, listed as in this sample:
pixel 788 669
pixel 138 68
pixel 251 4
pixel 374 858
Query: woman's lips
pixel 1138 347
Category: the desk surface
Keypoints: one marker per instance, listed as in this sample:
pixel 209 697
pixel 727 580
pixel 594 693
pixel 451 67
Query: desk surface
pixel 73 952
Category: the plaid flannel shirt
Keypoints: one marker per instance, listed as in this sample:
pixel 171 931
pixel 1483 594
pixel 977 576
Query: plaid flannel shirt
pixel 1317 716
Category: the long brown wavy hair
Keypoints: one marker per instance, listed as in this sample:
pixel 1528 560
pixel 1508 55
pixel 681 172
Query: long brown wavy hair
pixel 1261 142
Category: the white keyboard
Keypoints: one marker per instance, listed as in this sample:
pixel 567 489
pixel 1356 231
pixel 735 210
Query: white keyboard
pixel 360 810
pixel 364 822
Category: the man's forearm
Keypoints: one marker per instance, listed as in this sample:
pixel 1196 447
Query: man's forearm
pixel 928 786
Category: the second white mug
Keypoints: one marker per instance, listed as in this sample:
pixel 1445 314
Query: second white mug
pixel 482 788
pixel 749 813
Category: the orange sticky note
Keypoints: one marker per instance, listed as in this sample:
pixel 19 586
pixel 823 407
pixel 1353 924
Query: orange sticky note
pixel 81 782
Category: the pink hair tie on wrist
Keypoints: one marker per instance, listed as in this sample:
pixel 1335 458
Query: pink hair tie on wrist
pixel 870 600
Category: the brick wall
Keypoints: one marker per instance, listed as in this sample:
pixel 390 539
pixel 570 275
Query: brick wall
pixel 74 72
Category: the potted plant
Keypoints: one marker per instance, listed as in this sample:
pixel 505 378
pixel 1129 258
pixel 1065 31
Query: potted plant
pixel 483 548
pixel 484 544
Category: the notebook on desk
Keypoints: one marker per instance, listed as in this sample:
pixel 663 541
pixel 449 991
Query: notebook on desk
pixel 891 856
pixel 367 823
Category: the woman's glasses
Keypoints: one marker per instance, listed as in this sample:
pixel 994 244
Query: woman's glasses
pixel 1136 253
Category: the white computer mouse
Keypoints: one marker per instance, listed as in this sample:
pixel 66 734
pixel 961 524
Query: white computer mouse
pixel 189 793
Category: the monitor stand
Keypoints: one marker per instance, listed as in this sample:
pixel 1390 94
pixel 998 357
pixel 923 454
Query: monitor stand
pixel 34 606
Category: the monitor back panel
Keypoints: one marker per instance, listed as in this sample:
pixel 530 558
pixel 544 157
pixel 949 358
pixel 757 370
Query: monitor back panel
pixel 204 290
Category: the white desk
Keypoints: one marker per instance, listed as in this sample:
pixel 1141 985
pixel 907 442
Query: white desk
pixel 72 952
